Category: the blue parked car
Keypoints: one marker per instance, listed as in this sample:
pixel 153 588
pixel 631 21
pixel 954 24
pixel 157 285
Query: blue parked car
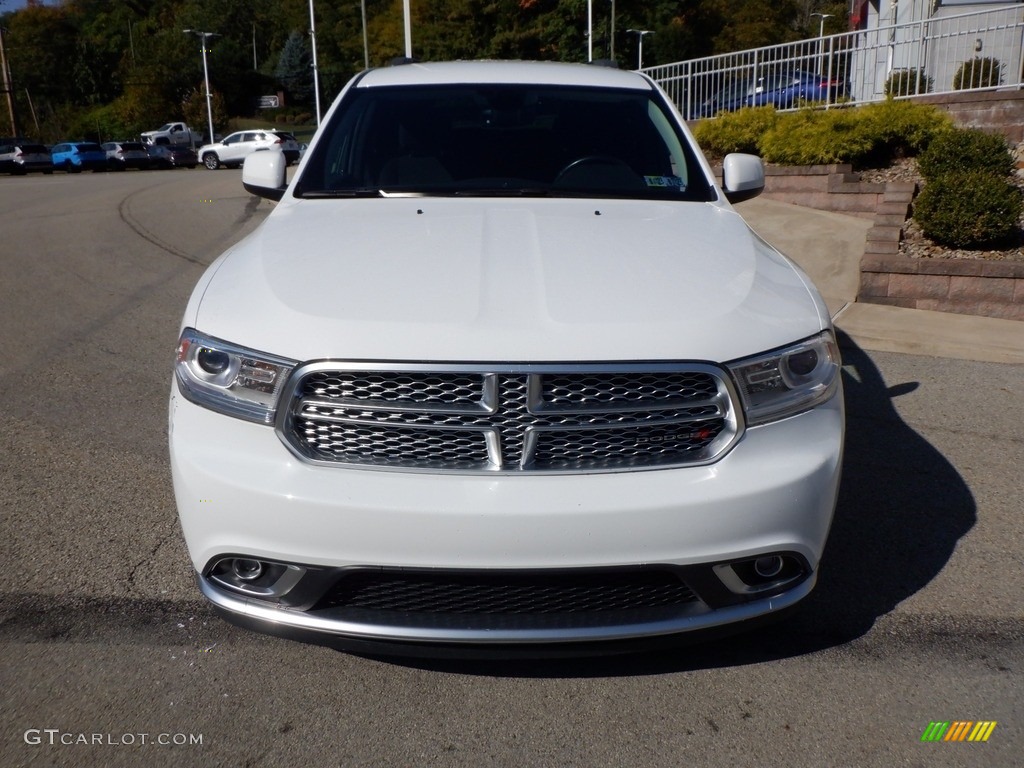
pixel 781 89
pixel 77 156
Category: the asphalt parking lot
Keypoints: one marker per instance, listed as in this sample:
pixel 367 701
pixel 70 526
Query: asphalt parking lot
pixel 111 658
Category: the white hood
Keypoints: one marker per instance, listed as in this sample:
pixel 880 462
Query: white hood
pixel 445 279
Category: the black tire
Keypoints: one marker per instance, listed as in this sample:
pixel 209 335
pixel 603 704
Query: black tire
pixel 70 167
pixel 211 161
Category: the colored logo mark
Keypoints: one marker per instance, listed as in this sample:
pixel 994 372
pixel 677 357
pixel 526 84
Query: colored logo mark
pixel 959 730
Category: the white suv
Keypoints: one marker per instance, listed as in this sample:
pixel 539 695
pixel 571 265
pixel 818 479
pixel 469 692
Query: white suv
pixel 232 151
pixel 504 367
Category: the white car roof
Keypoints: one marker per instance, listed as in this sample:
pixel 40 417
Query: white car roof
pixel 537 72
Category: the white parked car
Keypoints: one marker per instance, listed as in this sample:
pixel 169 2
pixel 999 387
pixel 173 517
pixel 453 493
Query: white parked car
pixel 232 151
pixel 504 367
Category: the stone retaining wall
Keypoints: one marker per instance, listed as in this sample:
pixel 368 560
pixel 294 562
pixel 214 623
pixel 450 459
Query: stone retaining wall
pixel 964 286
pixel 824 187
pixel 993 111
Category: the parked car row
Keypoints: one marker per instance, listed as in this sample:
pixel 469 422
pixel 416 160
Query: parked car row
pixel 18 156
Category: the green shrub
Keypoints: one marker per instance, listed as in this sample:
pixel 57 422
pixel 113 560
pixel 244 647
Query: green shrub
pixel 907 82
pixel 978 73
pixel 965 149
pixel 902 128
pixel 810 137
pixel 973 209
pixel 868 136
pixel 738 131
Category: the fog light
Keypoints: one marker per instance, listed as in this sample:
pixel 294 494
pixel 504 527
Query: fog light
pixel 247 570
pixel 768 567
pixel 764 573
pixel 256 578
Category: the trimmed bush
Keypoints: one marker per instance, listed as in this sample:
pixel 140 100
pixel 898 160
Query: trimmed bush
pixel 960 150
pixel 902 128
pixel 907 82
pixel 810 137
pixel 978 73
pixel 738 131
pixel 869 136
pixel 973 209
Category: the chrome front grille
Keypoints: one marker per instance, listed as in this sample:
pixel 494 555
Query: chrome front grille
pixel 540 418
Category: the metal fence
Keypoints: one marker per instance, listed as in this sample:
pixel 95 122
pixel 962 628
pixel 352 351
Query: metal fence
pixel 946 53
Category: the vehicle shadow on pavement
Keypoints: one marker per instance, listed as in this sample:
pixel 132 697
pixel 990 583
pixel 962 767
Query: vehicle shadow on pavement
pixel 902 509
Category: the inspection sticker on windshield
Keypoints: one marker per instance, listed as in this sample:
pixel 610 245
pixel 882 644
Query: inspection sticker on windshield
pixel 673 182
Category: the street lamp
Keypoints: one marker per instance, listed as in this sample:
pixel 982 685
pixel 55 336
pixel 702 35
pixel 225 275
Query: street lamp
pixel 640 36
pixel 821 35
pixel 316 72
pixel 204 36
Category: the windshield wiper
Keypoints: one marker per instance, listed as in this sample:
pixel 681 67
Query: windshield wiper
pixel 324 194
pixel 504 192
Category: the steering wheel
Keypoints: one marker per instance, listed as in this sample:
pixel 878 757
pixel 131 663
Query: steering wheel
pixel 593 160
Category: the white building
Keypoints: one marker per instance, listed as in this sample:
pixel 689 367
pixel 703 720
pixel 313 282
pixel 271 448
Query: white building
pixel 933 38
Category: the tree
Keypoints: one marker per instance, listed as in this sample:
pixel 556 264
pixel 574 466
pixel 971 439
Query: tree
pixel 294 68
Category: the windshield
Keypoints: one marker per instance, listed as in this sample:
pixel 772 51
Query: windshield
pixel 503 140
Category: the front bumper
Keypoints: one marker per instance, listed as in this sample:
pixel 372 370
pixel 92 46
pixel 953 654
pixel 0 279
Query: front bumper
pixel 241 493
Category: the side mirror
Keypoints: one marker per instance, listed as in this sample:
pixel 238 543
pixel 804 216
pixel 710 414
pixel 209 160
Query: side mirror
pixel 263 174
pixel 742 177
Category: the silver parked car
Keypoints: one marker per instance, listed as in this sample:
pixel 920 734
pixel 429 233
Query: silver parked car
pixel 126 154
pixel 22 157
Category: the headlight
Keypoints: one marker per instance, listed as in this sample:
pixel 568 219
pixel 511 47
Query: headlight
pixel 781 383
pixel 230 379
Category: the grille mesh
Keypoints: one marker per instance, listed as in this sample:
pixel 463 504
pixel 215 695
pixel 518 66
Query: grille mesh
pixel 508 594
pixel 533 421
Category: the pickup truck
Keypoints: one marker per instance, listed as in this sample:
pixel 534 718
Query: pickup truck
pixel 175 134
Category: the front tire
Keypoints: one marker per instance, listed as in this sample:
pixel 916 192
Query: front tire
pixel 211 161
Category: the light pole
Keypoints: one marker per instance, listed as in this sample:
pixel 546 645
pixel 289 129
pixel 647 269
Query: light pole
pixel 640 37
pixel 590 30
pixel 204 36
pixel 316 74
pixel 366 41
pixel 821 35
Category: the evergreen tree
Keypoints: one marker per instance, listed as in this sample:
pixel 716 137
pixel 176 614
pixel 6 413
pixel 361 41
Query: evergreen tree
pixel 295 68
